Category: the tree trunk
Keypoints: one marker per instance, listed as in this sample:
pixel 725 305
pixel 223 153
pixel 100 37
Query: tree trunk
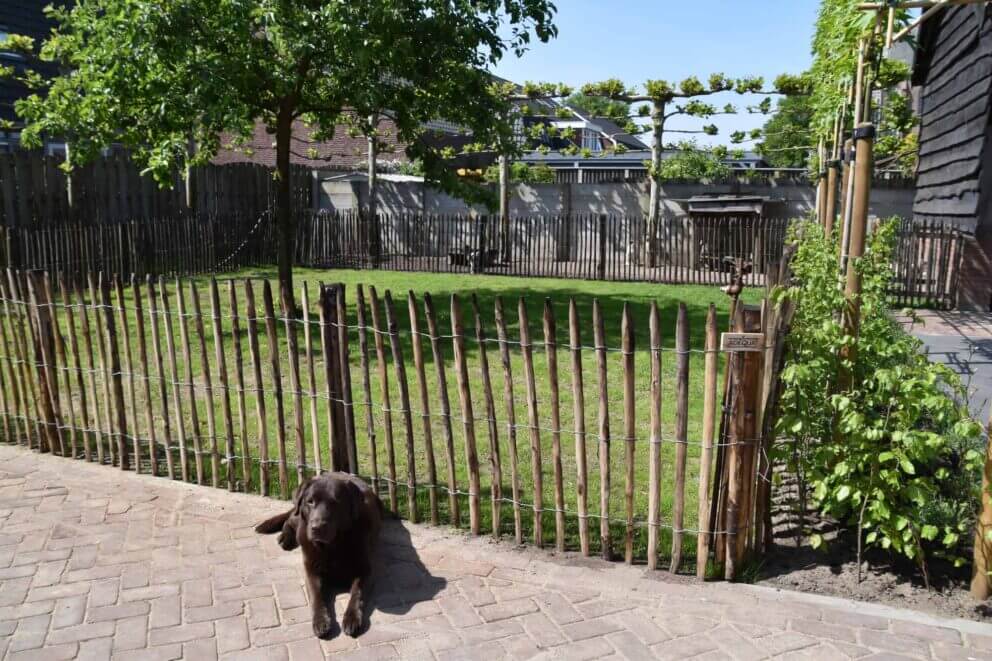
pixel 654 204
pixel 285 222
pixel 373 178
pixel 504 208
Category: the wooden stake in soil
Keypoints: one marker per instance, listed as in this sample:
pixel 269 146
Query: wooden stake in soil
pixel 579 415
pixel 129 369
pixel 117 385
pixel 344 365
pixel 537 471
pixel 654 463
pixel 863 171
pixel 681 432
pixel 380 353
pixel 61 364
pixel 630 426
pixel 80 383
pixel 19 387
pixel 705 457
pixel 400 368
pixel 256 365
pixel 551 348
pixel 599 338
pixel 468 416
pixel 496 470
pixel 442 388
pixel 273 341
pixel 96 302
pixel 425 405
pixel 511 417
pixel 139 325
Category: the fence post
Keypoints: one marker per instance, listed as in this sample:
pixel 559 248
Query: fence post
pixel 745 386
pixel 831 203
pixel 601 265
pixel 44 356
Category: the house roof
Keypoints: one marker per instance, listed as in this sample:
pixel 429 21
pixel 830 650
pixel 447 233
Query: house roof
pixel 954 70
pixel 615 132
pixel 25 17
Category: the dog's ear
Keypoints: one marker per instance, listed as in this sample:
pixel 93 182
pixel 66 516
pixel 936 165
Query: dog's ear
pixel 300 495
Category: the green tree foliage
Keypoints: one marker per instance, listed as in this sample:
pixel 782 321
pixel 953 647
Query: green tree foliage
pixel 894 454
pixel 691 162
pixel 160 76
pixel 522 173
pixel 786 133
pixel 598 106
pixel 896 146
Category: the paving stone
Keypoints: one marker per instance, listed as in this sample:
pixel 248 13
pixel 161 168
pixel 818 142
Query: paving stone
pixel 215 612
pixel 131 633
pixel 69 611
pixel 98 649
pixel 825 630
pixel 180 634
pixel 926 632
pixel 118 612
pixel 232 634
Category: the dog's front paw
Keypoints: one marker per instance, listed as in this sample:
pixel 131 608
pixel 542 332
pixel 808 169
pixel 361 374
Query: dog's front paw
pixel 351 623
pixel 323 625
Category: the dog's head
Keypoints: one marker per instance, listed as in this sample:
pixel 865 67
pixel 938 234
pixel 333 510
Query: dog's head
pixel 327 506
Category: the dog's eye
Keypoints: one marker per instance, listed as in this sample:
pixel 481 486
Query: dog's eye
pixel 311 501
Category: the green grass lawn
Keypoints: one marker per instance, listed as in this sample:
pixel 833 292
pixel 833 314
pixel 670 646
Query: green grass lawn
pixel 612 297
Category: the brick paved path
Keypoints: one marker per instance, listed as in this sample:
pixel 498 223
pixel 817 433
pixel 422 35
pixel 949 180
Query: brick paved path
pixel 96 564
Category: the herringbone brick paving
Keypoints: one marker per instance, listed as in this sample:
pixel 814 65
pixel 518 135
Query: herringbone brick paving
pixel 99 564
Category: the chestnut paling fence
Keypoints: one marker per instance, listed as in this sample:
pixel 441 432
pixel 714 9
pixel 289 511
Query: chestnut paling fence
pixel 602 433
pixel 686 249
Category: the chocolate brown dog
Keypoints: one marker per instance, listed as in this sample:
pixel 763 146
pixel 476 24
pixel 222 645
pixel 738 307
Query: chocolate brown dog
pixel 335 520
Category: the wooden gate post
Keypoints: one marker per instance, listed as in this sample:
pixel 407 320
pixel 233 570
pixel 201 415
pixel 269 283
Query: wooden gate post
pixel 746 345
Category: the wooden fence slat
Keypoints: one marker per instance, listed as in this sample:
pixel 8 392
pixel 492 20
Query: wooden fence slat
pixel 146 377
pixel 468 415
pixel 363 344
pixel 101 337
pixel 19 393
pixel 399 366
pixel 630 425
pixel 224 387
pixel 62 362
pixel 551 351
pixel 495 463
pixel 654 450
pixel 194 415
pixel 293 354
pixel 533 420
pixel 681 432
pixel 272 336
pixel 239 375
pixel 251 312
pixel 425 405
pixel 208 386
pixel 387 414
pixel 312 378
pixel 442 390
pixel 344 364
pixel 578 414
pixel 157 353
pixel 116 379
pixel 599 338
pixel 511 417
pixel 704 536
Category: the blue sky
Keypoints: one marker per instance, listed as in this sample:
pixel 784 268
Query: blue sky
pixel 635 40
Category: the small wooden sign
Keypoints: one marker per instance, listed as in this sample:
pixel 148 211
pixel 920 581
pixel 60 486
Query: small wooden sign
pixel 742 341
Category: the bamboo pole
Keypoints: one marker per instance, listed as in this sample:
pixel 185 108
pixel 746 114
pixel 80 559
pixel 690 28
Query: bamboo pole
pixel 704 537
pixel 654 462
pixel 511 416
pixel 425 405
pixel 468 416
pixel 537 472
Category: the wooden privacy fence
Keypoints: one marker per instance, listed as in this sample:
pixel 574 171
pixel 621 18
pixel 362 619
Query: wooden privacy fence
pixel 34 191
pixel 601 433
pixel 927 265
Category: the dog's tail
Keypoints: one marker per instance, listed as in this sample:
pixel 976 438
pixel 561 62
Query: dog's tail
pixel 274 524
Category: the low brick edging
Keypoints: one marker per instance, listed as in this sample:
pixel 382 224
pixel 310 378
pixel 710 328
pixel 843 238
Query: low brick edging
pixel 96 563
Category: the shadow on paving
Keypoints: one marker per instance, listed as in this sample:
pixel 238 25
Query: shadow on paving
pixel 400 579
